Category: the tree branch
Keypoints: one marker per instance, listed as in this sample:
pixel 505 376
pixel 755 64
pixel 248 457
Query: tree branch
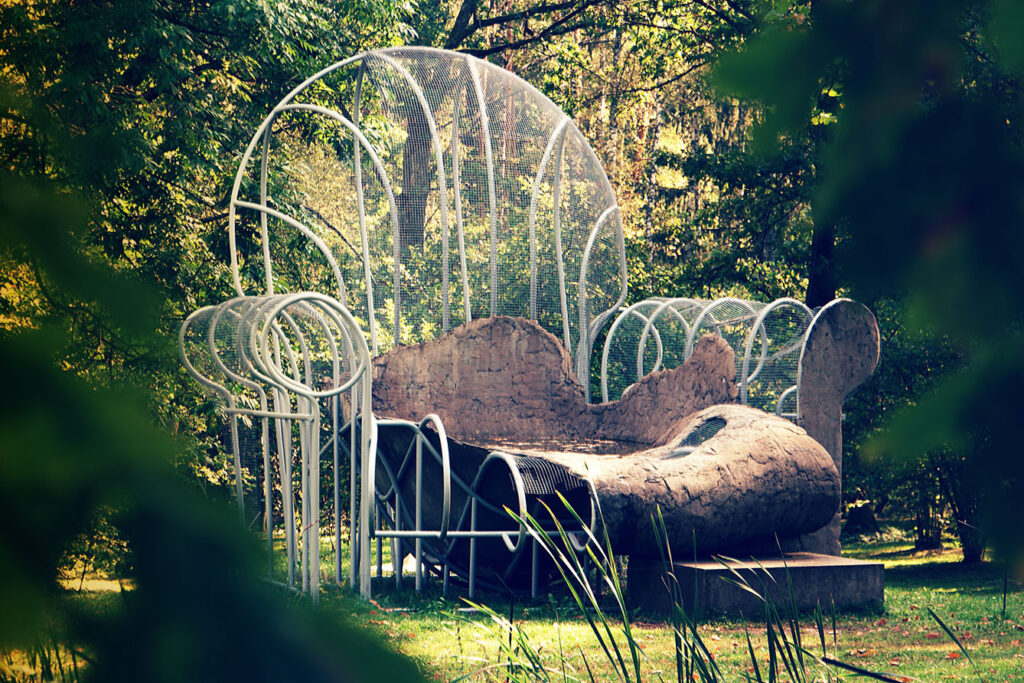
pixel 319 216
pixel 523 14
pixel 463 29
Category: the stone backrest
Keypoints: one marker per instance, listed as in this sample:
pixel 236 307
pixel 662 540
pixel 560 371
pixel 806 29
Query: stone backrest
pixel 507 378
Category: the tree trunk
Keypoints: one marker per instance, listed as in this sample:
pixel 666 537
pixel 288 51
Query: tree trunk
pixel 964 503
pixel 971 542
pixel 821 281
pixel 651 189
pixel 928 532
pixel 416 180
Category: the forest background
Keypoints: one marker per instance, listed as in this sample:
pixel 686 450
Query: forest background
pixel 761 149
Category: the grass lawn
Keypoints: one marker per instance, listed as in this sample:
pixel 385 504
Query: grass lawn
pixel 903 641
pixel 450 641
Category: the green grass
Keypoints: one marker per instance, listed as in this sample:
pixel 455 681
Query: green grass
pixel 903 640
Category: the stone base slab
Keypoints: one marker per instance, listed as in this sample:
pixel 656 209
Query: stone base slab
pixel 816 579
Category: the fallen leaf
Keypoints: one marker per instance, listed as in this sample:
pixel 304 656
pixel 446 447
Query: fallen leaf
pixel 881 622
pixel 952 655
pixel 931 635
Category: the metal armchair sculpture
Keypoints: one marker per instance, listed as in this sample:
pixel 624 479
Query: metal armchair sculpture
pixel 464 229
pixel 306 352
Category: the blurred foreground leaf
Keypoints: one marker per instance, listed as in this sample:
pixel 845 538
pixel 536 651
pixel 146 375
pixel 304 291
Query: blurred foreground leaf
pixel 922 171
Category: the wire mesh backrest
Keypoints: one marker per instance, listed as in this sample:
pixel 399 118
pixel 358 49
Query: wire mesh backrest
pixel 660 333
pixel 425 188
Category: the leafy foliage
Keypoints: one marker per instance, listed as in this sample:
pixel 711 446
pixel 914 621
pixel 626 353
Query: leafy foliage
pixel 922 170
pixel 117 122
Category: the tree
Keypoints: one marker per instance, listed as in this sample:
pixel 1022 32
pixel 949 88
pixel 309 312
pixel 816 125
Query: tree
pixel 117 123
pixel 922 172
pixel 140 110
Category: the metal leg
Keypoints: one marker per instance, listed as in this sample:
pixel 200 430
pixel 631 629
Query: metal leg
pixel 419 512
pixel 472 551
pixel 534 568
pixel 380 558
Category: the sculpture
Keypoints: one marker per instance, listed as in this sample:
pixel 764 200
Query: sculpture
pixel 454 206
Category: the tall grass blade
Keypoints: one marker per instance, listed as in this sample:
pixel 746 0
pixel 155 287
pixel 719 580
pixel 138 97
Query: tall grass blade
pixel 956 640
pixel 753 657
pixel 568 566
pixel 820 624
pixel 777 631
pixel 859 671
pixel 772 664
pixel 835 633
pixel 587 665
pixel 671 584
pixel 794 614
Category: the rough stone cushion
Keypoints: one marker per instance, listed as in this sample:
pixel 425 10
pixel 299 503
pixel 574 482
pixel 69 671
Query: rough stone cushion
pixel 759 476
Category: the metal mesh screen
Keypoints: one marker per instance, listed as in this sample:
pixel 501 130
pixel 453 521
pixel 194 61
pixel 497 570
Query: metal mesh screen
pixel 443 188
pixel 660 333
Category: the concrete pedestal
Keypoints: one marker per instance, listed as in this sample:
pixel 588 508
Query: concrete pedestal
pixel 815 579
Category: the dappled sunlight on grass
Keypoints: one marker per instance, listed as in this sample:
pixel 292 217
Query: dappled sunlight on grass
pixel 96 585
pixel 902 641
pixel 449 640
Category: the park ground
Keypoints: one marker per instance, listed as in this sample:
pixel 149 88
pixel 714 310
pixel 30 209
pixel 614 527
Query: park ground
pixel 903 640
pixel 449 640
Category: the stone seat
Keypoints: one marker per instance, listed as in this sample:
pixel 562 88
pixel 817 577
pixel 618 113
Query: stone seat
pixel 724 476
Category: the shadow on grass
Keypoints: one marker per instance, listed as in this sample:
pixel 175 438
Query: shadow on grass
pixel 975 579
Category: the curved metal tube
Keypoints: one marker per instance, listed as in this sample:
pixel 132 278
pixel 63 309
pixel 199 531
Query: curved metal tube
pixel 491 192
pixel 759 326
pixel 541 167
pixel 364 238
pixel 441 183
pixel 668 304
pixel 631 310
pixel 228 397
pixel 782 397
pixel 556 217
pixel 457 189
pixel 520 490
pixel 584 345
pixel 235 202
pixel 339 315
pixel 221 310
pixel 707 311
pixel 446 470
